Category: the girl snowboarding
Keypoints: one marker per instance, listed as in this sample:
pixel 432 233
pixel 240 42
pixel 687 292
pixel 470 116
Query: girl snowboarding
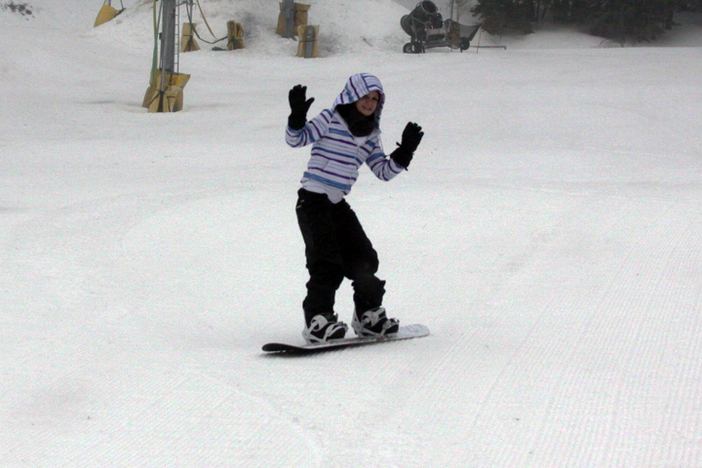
pixel 343 138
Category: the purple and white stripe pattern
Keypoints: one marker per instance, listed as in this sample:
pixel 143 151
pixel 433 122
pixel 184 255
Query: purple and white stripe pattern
pixel 336 153
pixel 358 86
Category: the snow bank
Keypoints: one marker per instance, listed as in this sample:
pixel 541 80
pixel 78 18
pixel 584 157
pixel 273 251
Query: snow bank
pixel 547 233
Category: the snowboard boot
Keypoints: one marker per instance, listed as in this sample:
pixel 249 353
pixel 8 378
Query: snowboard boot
pixel 374 323
pixel 324 328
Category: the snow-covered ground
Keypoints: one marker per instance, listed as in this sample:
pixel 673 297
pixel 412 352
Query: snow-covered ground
pixel 548 232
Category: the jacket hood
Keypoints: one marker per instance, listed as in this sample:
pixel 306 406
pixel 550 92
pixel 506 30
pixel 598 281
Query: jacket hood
pixel 358 86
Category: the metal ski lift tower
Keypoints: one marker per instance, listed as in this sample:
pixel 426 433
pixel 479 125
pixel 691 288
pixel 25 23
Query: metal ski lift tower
pixel 165 93
pixel 169 37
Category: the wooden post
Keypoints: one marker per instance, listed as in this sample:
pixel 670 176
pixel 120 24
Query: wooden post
pixel 287 13
pixel 168 99
pixel 235 35
pixel 106 13
pixel 300 19
pixel 188 42
pixel 307 47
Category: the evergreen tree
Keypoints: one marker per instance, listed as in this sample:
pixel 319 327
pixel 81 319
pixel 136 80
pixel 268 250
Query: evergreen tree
pixel 570 11
pixel 499 15
pixel 640 20
pixel 621 20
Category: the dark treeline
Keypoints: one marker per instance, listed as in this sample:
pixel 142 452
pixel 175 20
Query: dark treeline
pixel 619 20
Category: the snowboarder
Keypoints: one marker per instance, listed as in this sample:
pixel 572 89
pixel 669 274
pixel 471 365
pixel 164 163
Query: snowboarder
pixel 343 137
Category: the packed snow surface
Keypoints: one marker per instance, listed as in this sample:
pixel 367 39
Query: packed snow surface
pixel 548 233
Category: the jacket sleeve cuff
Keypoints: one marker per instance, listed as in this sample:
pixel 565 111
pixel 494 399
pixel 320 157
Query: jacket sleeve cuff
pixel 397 168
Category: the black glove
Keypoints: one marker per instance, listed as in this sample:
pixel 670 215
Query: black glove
pixel 411 137
pixel 299 105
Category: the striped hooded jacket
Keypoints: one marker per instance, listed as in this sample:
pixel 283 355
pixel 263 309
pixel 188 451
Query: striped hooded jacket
pixel 336 153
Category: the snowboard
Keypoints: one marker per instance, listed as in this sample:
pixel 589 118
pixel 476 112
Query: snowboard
pixel 404 333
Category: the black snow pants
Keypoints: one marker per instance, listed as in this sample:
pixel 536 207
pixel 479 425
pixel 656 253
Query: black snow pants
pixel 336 247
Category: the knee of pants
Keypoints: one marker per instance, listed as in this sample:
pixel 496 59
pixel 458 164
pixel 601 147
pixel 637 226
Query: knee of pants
pixel 364 266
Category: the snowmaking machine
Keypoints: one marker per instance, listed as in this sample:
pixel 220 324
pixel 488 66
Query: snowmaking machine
pixel 427 29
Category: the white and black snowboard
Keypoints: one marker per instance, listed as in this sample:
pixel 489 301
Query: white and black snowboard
pixel 404 333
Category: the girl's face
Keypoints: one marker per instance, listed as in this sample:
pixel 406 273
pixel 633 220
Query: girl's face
pixel 368 103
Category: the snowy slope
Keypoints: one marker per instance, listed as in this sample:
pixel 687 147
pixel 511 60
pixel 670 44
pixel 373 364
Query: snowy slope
pixel 547 232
